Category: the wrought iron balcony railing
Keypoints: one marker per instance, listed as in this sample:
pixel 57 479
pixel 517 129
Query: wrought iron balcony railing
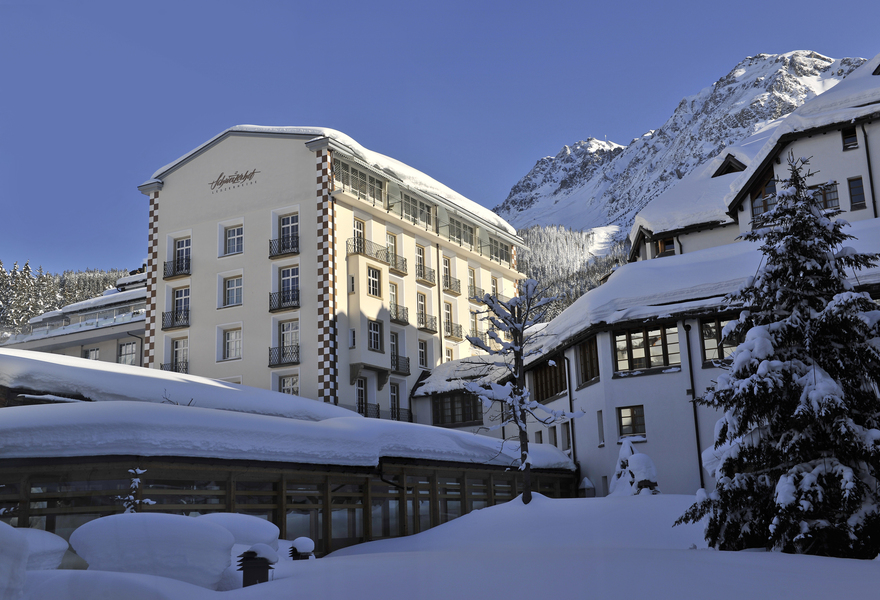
pixel 175 319
pixel 399 314
pixel 176 367
pixel 396 263
pixel 400 365
pixel 427 323
pixel 284 355
pixel 284 300
pixel 452 285
pixel 401 414
pixel 483 337
pixel 368 410
pixel 452 330
pixel 475 293
pixel 178 267
pixel 364 247
pixel 426 275
pixel 286 244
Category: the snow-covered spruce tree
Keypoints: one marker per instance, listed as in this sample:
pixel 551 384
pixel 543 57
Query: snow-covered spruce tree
pixel 512 342
pixel 798 443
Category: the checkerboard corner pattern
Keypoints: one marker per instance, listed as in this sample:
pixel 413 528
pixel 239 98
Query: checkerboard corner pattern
pixel 327 357
pixel 152 281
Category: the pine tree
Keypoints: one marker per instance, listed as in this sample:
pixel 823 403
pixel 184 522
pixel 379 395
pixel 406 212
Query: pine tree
pixel 800 437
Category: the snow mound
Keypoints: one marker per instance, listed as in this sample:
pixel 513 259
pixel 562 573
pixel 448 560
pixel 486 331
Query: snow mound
pixel 192 550
pixel 12 562
pixel 246 529
pixel 45 549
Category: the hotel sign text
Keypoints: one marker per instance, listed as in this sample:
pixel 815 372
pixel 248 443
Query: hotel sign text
pixel 232 181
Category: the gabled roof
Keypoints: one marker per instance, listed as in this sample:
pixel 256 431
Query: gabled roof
pixel 389 167
pixel 853 100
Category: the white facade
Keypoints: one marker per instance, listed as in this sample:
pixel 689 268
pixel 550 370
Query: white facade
pixel 292 259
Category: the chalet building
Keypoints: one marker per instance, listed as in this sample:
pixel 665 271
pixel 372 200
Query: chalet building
pixel 634 353
pixel 839 131
pixel 109 328
pixel 295 260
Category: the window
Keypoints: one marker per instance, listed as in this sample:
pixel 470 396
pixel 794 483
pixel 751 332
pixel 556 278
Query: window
pixel 631 421
pixel 461 233
pixel 234 237
pixel 499 251
pixel 232 291
pixel 472 282
pixel 475 329
pixel 392 344
pixel 826 196
pixel 551 436
pixel 714 347
pixel 374 335
pixel 181 301
pixel 392 295
pixel 637 349
pixel 394 391
pixel 417 212
pixel 391 245
pixel 565 428
pixel 289 284
pixel 289 384
pixel 587 361
pixel 288 334
pixel 360 245
pixel 664 247
pixel 351 338
pixel 420 258
pixel 548 381
pixel 764 197
pixel 459 409
pixel 448 354
pixel 447 271
pixel 182 253
pixel 850 139
pixel 358 182
pixel 374 282
pixel 423 354
pixel 856 193
pixel 180 353
pixel 539 437
pixel 448 323
pixel 495 287
pixel 127 353
pixel 231 344
pixel 361 395
pixel 421 304
pixel 601 425
pixel 288 227
pixel 91 353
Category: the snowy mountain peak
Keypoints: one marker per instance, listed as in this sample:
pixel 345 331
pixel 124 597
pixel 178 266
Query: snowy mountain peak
pixel 595 183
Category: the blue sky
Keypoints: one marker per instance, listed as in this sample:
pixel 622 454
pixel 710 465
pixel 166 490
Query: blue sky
pixel 95 96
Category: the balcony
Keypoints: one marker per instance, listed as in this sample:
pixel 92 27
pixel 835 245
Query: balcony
pixel 284 300
pixel 368 410
pixel 358 184
pixel 475 294
pixel 426 275
pixel 176 367
pixel 399 314
pixel 396 263
pixel 284 355
pixel 451 285
pixel 481 335
pixel 284 246
pixel 427 323
pixel 364 247
pixel 453 331
pixel 401 414
pixel 175 319
pixel 400 365
pixel 178 268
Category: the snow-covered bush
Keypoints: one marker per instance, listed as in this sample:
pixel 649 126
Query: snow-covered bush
pixel 635 473
pixel 13 562
pixel 183 548
pixel 45 549
pixel 246 529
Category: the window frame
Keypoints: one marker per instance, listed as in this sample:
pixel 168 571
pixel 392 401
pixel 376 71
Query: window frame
pixel 849 138
pixel 423 354
pixel 849 185
pixel 456 410
pixel 722 349
pixel 132 356
pixel 232 346
pixel 824 194
pixel 229 285
pixel 233 235
pixel 638 421
pixel 375 336
pixel 374 282
pixel 285 385
pixel 646 333
pixel 548 382
pixel 587 354
pixel 763 199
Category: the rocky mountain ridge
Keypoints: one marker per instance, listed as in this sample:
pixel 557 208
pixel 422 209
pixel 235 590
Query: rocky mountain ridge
pixel 596 183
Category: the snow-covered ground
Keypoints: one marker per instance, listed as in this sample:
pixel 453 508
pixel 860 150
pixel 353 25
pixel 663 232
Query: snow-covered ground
pixel 577 548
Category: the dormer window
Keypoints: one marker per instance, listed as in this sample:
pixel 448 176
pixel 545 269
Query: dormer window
pixel 664 247
pixel 850 139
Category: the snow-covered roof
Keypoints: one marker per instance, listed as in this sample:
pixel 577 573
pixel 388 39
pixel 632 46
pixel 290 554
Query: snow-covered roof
pixel 103 381
pixel 698 198
pixel 146 429
pixel 448 377
pixel 675 284
pixel 857 96
pixel 140 277
pixel 391 167
pixel 108 299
